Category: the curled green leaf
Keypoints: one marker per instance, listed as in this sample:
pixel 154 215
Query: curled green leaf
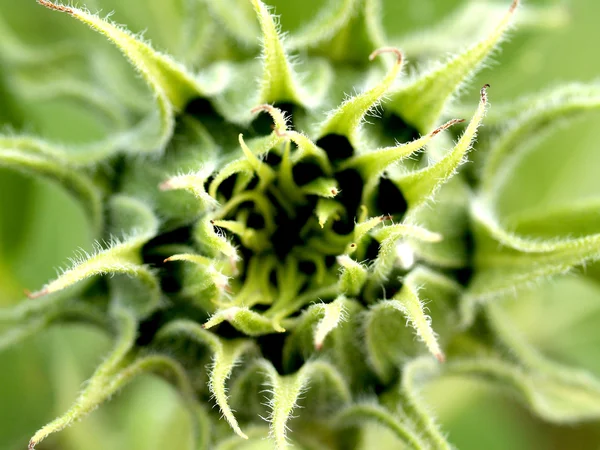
pixel 80 185
pixel 285 391
pixel 471 21
pixel 104 382
pixel 421 185
pixel 373 164
pixel 358 413
pixel 330 20
pixel 226 355
pixel 279 81
pixel 333 314
pixel 530 119
pixel 245 320
pixel 554 398
pixel 509 262
pixel 415 375
pixel 395 246
pixel 421 103
pixel 194 183
pixel 172 84
pixel 120 257
pixel 347 119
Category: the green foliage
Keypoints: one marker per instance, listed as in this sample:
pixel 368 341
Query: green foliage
pixel 280 265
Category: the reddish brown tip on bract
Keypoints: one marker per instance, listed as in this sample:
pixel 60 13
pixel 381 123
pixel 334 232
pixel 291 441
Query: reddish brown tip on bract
pixel 446 126
pixel 268 108
pixel 261 108
pixel 56 7
pixel 34 295
pixel 484 93
pixel 379 51
pixel 165 186
pixel 440 357
pixel 514 5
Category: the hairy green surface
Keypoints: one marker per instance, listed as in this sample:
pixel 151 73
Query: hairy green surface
pixel 284 229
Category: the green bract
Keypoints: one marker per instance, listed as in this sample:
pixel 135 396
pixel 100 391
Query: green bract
pixel 265 247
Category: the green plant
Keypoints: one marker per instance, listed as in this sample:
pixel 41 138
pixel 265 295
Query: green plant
pixel 255 223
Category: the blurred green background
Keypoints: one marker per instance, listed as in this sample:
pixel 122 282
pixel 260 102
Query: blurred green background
pixel 40 227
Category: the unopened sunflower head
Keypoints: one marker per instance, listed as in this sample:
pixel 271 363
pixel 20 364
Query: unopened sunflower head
pixel 277 230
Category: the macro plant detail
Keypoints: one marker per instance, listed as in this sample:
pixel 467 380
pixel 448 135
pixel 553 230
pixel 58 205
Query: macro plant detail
pixel 296 260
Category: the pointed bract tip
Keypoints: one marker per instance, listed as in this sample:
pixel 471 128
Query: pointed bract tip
pixel 514 5
pixel 379 51
pixel 318 346
pixel 265 107
pixel 233 264
pixel 278 132
pixel 484 89
pixel 34 295
pixel 31 445
pixel 165 186
pixel 278 328
pixel 277 115
pixel 440 357
pixel 446 126
pixel 54 6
